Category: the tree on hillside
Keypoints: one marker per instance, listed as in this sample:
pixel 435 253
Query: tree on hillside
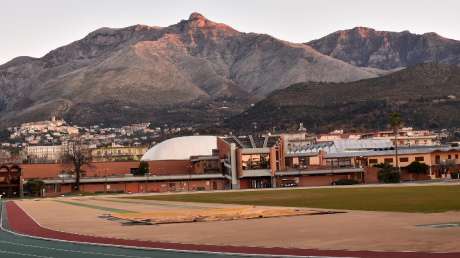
pixel 395 123
pixel 77 154
pixel 4 135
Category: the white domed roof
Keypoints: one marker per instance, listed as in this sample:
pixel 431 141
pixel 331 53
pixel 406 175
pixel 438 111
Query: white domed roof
pixel 181 148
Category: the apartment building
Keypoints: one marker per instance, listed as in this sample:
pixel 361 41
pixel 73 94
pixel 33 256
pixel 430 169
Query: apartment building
pixel 44 154
pixel 406 137
pixel 117 153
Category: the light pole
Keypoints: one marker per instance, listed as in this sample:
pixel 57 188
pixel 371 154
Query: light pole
pixel 146 185
pixel 105 180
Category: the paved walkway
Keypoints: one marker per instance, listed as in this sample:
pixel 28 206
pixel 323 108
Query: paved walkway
pixel 15 246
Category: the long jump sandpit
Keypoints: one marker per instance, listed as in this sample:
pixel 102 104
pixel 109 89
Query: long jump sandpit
pixel 350 234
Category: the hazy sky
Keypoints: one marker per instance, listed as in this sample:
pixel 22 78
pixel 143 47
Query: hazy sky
pixel 34 27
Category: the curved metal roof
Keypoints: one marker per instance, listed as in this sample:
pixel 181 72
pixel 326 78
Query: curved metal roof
pixel 181 148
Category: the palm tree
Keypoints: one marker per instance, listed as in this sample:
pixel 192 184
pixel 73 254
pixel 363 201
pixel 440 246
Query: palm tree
pixel 395 123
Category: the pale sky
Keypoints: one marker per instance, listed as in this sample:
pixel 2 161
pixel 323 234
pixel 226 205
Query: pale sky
pixel 35 27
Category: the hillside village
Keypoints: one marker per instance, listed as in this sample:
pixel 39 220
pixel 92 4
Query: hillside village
pixel 179 159
pixel 45 141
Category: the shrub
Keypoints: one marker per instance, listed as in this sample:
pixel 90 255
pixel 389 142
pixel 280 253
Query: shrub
pixel 388 174
pixel 34 187
pixel 417 168
pixel 455 175
pixel 142 170
pixel 345 181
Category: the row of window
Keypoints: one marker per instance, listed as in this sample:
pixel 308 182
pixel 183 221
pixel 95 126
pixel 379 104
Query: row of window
pixel 406 159
pixel 449 157
pixel 402 159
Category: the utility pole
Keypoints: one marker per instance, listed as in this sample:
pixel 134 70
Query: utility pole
pixel 396 132
pixel 395 122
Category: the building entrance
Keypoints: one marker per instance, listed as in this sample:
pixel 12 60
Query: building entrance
pixel 262 182
pixel 10 181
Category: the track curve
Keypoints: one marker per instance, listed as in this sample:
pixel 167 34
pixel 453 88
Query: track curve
pixel 19 230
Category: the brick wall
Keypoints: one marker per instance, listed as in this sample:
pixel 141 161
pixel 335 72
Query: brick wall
pixel 170 167
pixel 136 187
pixel 102 169
pixel 371 175
pixel 223 147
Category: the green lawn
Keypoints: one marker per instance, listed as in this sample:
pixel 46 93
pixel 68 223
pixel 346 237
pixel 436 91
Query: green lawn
pixel 402 199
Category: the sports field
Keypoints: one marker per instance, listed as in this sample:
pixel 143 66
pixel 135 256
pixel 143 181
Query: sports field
pixel 376 233
pixel 426 199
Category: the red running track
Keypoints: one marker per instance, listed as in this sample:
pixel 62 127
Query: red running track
pixel 20 222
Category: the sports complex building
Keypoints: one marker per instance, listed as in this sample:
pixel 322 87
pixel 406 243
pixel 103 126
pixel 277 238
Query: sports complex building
pixel 195 163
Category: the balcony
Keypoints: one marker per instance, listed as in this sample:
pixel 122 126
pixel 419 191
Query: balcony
pixel 256 173
pixel 318 170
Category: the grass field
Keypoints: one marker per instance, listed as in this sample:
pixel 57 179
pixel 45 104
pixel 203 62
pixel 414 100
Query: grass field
pixel 401 199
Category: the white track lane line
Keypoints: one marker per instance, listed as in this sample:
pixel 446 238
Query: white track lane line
pixel 71 251
pixel 145 248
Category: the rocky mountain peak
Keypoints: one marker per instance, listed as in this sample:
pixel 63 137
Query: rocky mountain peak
pixel 196 16
pixel 197 21
pixel 363 31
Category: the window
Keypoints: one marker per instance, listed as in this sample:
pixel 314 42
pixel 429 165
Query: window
pixel 456 156
pixel 403 159
pixel 419 159
pixel 388 160
pixel 373 161
pixel 437 159
pixel 449 156
pixel 255 161
pixel 298 162
pixel 339 162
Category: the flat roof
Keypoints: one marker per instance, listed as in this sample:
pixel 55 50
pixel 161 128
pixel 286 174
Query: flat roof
pixel 134 179
pixel 401 151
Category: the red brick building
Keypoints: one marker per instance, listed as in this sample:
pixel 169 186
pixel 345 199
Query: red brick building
pixel 194 163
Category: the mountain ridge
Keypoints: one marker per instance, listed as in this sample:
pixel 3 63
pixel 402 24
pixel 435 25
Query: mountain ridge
pixel 367 47
pixel 149 69
pixel 426 95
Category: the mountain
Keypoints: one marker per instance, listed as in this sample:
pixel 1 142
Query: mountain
pixel 195 71
pixel 366 47
pixel 426 95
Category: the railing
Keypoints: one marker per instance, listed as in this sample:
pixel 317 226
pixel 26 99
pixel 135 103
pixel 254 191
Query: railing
pixel 212 171
pixel 321 167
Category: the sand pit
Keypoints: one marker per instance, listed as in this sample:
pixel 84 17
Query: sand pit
pixel 206 215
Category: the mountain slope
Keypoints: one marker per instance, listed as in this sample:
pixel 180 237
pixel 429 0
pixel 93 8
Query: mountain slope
pixel 145 73
pixel 427 95
pixel 366 47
